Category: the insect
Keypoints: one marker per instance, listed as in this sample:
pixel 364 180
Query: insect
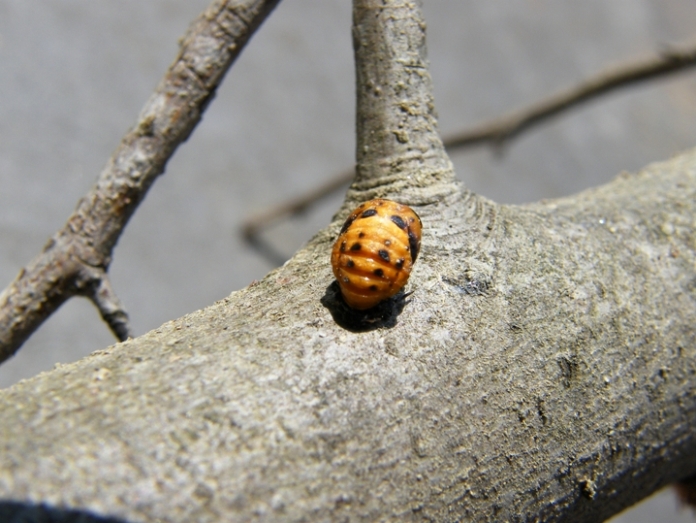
pixel 375 251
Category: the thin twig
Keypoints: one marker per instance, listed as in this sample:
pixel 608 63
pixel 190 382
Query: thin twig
pixel 253 226
pixel 77 257
pixel 508 127
pixel 500 131
pixel 110 308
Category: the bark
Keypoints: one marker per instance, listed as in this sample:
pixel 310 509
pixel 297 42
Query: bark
pixel 542 370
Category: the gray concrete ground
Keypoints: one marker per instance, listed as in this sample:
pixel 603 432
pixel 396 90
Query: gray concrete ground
pixel 74 74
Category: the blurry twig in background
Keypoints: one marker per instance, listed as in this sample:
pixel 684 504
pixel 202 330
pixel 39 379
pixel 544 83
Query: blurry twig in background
pixel 252 228
pixel 497 132
pixel 502 130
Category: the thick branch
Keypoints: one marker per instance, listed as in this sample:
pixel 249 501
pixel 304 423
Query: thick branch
pixel 79 254
pixel 542 371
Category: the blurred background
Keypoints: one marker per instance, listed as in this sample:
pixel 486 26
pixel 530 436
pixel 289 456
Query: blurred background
pixel 75 73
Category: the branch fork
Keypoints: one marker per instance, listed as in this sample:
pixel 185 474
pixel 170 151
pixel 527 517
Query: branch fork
pixel 76 259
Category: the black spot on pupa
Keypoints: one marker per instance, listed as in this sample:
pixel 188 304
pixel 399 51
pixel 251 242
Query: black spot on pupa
pixel 368 213
pixel 343 246
pixel 414 244
pixel 347 224
pixel 400 263
pixel 361 234
pixel 383 254
pixel 373 287
pixel 350 263
pixel 398 221
pixel 355 247
pixel 378 272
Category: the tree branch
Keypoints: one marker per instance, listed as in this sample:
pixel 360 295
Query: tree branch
pixel 77 257
pixel 398 145
pixel 110 307
pixel 543 370
pixel 502 130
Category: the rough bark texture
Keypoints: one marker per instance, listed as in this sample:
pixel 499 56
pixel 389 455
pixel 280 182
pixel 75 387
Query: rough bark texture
pixel 542 370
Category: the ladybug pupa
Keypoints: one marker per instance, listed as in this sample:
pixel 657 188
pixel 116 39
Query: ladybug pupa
pixel 375 251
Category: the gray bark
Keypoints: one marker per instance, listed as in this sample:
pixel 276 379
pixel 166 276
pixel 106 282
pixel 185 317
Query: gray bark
pixel 542 369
